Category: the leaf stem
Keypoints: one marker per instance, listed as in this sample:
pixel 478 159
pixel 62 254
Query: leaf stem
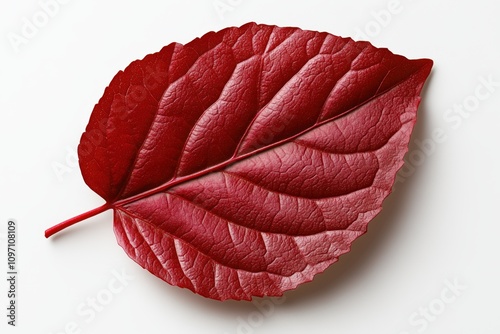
pixel 67 223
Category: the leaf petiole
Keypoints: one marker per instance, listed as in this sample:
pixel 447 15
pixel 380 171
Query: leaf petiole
pixel 61 226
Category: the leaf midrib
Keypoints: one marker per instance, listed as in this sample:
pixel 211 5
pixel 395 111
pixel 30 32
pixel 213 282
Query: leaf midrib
pixel 179 180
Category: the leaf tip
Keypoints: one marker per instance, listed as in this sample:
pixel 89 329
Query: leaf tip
pixel 426 65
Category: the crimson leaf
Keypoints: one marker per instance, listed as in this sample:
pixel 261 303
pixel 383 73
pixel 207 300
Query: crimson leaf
pixel 248 160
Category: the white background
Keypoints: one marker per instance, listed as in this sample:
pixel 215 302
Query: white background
pixel 439 227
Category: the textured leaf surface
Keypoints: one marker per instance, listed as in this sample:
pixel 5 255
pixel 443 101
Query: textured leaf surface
pixel 246 161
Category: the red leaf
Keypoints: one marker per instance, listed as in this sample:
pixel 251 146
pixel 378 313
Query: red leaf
pixel 248 160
